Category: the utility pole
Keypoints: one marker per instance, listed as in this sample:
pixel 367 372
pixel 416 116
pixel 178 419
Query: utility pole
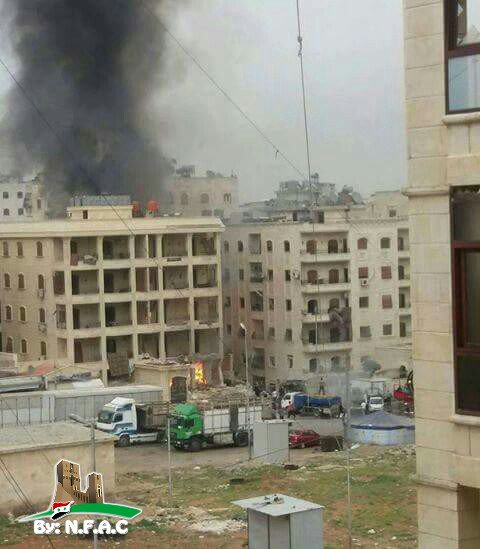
pixel 169 450
pixel 247 383
pixel 94 466
pixel 346 437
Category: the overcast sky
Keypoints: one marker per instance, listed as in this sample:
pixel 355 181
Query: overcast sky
pixel 353 55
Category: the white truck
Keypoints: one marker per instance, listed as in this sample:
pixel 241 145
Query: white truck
pixel 133 422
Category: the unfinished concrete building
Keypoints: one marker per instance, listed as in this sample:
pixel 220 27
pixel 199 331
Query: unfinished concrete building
pixel 319 288
pixel 101 287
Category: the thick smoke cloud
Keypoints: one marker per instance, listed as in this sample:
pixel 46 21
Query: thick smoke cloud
pixel 91 67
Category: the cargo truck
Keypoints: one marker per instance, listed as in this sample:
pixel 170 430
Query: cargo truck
pixel 202 425
pixel 302 404
pixel 134 422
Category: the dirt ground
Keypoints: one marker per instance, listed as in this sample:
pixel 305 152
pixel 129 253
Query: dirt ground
pixel 200 510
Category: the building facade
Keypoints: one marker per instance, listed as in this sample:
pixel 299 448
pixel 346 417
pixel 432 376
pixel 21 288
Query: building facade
pixel 206 196
pixel 442 50
pixel 21 200
pixel 101 286
pixel 317 297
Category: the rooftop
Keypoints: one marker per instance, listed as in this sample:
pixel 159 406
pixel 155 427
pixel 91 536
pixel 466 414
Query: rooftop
pixel 276 505
pixel 47 435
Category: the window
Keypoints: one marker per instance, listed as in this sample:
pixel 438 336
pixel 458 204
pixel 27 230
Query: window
pixel 22 314
pixel 387 302
pixel 288 304
pixel 466 300
pixel 334 303
pixel 5 194
pixel 288 276
pixel 227 198
pixel 204 198
pixel 43 348
pixel 385 243
pixel 365 331
pixel 5 249
pixel 401 244
pixel 241 274
pixel 20 211
pixel 19 194
pixel 312 365
pixel 39 249
pixel 269 246
pixel 240 246
pixel 462 55
pixel 19 249
pixel 229 329
pixel 184 199
pixel 387 330
pixel 286 246
pixel 271 333
pixel 85 214
pixel 333 276
pixel 42 316
pixel 6 280
pixel 270 274
pixel 288 334
pixel 403 333
pixel 41 282
pixel 290 361
pixel 218 213
pixel 272 361
pixel 206 213
pixel 271 304
pixel 362 244
pixel 386 273
pixel 242 303
pixel 228 301
pixel 226 247
pixel 21 282
pixel 363 272
pixel 9 347
pixel 8 312
pixel 392 212
pixel 23 347
pixel 333 246
pixel 39 204
pixel 401 272
pixel 363 302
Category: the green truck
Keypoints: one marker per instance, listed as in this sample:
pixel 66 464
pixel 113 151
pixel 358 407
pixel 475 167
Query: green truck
pixel 206 424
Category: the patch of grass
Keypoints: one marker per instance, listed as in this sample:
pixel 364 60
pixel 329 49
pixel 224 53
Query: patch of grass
pixel 12 532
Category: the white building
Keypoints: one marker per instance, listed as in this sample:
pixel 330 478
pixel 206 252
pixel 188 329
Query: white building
pixel 102 286
pixel 320 296
pixel 21 200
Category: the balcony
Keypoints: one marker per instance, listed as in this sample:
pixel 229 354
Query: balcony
pixel 118 315
pixel 324 257
pixel 174 246
pixel 326 346
pixel 205 310
pixel 324 287
pixel 116 281
pixel 204 276
pixel 176 313
pixel 203 245
pixel 309 317
pixel 116 248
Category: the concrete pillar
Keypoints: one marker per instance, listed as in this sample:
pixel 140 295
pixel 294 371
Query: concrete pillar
pixel 448 517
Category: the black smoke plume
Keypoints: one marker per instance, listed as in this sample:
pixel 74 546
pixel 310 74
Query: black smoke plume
pixel 91 67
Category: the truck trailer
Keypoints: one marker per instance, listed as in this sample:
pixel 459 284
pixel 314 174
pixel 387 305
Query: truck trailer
pixel 202 425
pixel 58 405
pixel 302 404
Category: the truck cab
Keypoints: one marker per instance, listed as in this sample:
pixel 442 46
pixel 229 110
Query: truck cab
pixel 118 417
pixel 288 399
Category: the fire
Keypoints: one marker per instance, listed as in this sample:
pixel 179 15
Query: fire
pixel 199 375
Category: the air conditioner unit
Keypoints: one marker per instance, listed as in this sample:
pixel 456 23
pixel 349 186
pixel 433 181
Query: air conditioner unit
pixel 296 274
pixel 41 294
pixel 364 282
pixel 42 327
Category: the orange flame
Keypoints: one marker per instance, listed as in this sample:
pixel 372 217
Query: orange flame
pixel 198 373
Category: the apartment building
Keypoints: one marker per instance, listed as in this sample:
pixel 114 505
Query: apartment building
pixel 319 296
pixel 102 286
pixel 442 53
pixel 209 195
pixel 21 200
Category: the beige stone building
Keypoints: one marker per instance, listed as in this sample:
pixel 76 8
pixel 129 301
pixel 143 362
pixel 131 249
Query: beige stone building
pixel 101 286
pixel 319 296
pixel 442 53
pixel 21 200
pixel 194 196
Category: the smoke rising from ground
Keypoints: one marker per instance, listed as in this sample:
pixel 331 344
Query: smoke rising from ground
pixel 91 67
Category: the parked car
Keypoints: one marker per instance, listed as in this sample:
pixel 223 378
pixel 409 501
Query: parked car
pixel 373 403
pixel 301 438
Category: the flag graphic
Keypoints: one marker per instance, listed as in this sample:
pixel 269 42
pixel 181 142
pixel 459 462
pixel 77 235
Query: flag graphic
pixel 60 509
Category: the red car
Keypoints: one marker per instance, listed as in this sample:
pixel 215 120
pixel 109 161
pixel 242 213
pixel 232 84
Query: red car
pixel 300 438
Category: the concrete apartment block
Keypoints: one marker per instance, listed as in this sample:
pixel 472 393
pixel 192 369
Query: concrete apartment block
pixel 346 279
pixel 93 288
pixel 444 154
pixel 21 200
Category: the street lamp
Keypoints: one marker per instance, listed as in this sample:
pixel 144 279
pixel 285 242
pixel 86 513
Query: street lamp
pixel 247 383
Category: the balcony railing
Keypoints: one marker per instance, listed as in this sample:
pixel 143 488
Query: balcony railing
pixel 257 277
